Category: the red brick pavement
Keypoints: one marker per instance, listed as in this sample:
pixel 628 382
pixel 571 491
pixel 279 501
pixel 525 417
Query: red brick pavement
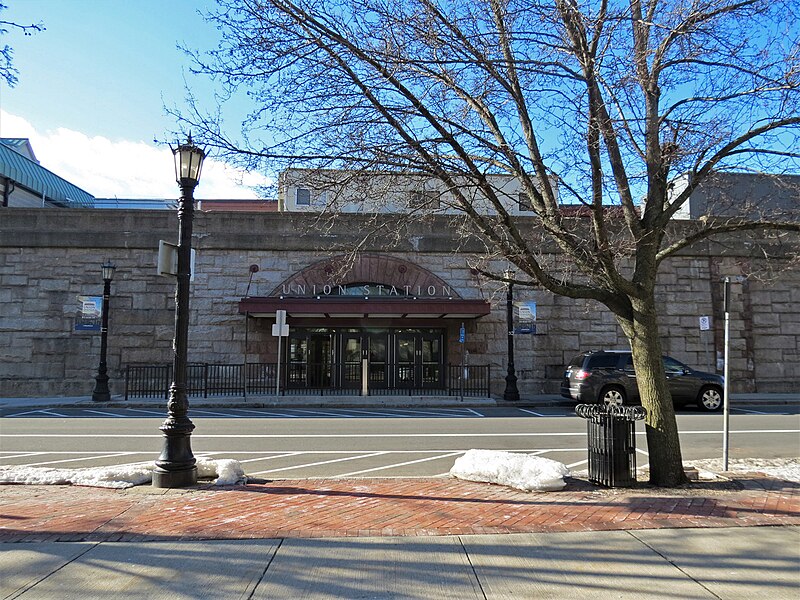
pixel 380 507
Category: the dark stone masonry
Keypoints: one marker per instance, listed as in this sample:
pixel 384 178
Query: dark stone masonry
pixel 48 258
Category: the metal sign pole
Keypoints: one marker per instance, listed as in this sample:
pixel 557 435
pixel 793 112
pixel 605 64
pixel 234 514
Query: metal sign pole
pixel 462 337
pixel 280 329
pixel 278 376
pixel 246 335
pixel 726 372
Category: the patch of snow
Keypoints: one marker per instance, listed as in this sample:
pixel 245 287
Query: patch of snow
pixel 787 469
pixel 226 471
pixel 520 471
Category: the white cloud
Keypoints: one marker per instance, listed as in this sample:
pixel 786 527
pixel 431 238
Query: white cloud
pixel 124 169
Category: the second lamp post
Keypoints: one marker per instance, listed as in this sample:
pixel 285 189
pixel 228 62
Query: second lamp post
pixel 511 392
pixel 176 466
pixel 101 392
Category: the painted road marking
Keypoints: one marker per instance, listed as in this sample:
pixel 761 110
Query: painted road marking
pixel 54 462
pixel 271 457
pixel 402 464
pixel 369 435
pixel 4 456
pixel 324 462
pixel 530 412
pixel 754 412
pixel 99 412
pixel 200 411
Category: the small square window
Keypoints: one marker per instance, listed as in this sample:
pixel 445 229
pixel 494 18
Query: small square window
pixel 524 202
pixel 303 197
pixel 424 200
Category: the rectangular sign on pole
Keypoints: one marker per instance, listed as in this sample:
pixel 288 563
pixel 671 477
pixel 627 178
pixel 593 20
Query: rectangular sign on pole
pixel 167 258
pixel 167 262
pixel 280 328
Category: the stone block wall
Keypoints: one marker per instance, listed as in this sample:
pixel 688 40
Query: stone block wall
pixel 49 258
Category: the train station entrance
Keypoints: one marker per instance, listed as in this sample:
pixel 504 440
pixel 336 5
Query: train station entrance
pixel 366 359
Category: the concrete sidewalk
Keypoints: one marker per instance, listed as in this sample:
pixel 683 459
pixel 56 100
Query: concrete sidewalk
pixel 402 538
pixel 666 564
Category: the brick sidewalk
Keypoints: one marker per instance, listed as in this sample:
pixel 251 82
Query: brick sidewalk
pixel 380 507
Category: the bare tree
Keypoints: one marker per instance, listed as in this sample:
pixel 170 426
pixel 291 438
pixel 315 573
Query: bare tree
pixel 7 70
pixel 611 99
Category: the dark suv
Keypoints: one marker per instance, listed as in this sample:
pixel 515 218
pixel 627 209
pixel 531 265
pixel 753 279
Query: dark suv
pixel 608 376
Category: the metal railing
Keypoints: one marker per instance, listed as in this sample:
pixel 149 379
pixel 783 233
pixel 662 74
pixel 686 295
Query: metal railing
pixel 259 379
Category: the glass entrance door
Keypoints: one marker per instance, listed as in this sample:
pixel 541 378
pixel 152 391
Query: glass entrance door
pixel 395 359
pixel 350 361
pixel 308 360
pixel 378 361
pixel 419 359
pixel 431 360
pixel 406 361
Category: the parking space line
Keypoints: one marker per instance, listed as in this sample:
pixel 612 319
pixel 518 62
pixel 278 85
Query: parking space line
pixel 27 412
pixel 268 412
pixel 402 464
pixel 475 412
pixel 38 410
pixel 99 412
pixel 530 412
pixel 359 412
pixel 324 462
pixel 148 412
pixel 754 412
pixel 216 414
pixel 66 460
pixel 323 413
pixel 270 457
pixel 3 456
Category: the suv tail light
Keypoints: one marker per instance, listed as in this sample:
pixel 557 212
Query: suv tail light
pixel 581 374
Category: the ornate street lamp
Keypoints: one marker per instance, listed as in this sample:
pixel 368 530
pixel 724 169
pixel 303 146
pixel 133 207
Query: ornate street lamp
pixel 176 466
pixel 511 392
pixel 101 392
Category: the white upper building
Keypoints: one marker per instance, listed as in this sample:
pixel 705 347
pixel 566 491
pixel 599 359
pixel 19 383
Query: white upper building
pixel 342 191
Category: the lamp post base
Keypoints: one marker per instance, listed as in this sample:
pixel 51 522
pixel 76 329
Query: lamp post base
pixel 174 479
pixel 101 392
pixel 512 392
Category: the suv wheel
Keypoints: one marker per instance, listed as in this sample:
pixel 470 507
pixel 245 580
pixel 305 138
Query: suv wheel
pixel 710 399
pixel 613 395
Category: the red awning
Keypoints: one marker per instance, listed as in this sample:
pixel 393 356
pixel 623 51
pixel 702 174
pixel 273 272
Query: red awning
pixel 358 307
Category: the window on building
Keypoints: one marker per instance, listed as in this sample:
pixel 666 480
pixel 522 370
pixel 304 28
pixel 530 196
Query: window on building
pixel 525 202
pixel 424 200
pixel 303 197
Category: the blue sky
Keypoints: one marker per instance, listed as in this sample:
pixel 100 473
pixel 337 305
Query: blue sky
pixel 92 90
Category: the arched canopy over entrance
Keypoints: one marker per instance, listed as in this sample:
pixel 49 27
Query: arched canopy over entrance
pixel 375 286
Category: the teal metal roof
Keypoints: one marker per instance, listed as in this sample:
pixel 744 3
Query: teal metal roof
pixel 40 181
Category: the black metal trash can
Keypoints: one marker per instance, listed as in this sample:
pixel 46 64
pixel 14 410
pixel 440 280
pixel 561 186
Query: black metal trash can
pixel 612 442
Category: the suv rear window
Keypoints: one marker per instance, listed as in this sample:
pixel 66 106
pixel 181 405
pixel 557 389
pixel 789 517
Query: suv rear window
pixel 602 361
pixel 578 361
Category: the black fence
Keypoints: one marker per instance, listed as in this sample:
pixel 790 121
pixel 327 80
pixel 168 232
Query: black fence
pixel 260 379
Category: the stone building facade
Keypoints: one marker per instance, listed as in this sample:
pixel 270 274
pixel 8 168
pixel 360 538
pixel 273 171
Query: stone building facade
pixel 50 258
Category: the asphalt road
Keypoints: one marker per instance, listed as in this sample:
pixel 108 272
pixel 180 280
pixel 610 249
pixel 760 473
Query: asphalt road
pixel 364 442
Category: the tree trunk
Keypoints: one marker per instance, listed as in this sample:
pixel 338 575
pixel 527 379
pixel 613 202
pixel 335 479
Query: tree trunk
pixel 663 443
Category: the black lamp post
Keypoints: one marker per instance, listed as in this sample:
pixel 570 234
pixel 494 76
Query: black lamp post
pixel 176 466
pixel 511 393
pixel 101 392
